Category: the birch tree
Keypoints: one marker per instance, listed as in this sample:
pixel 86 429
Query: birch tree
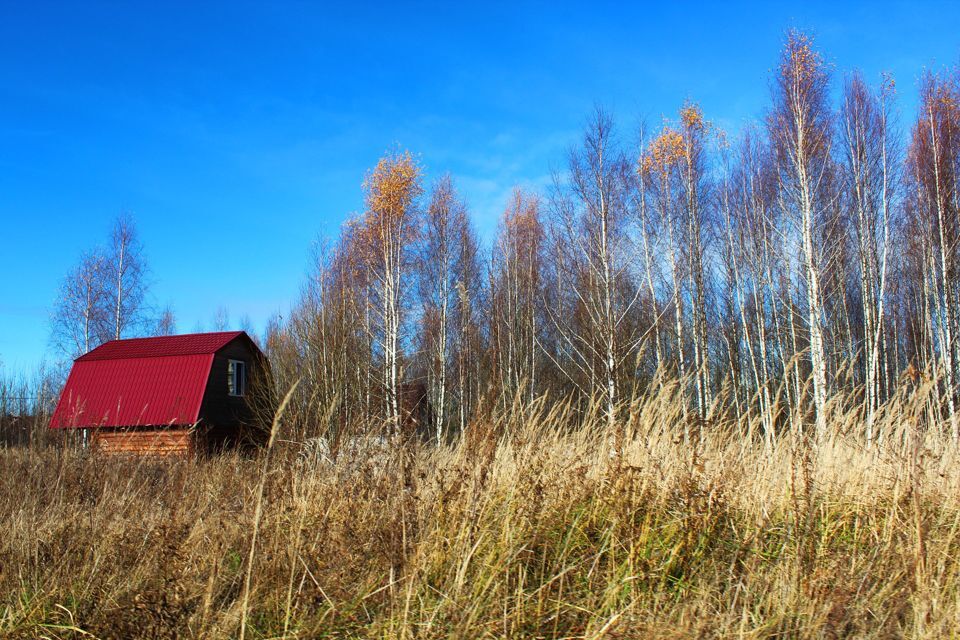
pixel 470 307
pixel 127 271
pixel 81 318
pixel 517 281
pixel 800 128
pixel 870 176
pixel 389 231
pixel 934 166
pixel 694 187
pixel 647 227
pixel 750 231
pixel 593 263
pixel 166 324
pixel 441 277
pixel 662 164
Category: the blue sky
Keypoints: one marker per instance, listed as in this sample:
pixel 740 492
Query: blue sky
pixel 238 133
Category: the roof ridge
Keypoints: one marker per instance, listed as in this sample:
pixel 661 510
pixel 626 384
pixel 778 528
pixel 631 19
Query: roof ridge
pixel 205 352
pixel 160 346
pixel 175 335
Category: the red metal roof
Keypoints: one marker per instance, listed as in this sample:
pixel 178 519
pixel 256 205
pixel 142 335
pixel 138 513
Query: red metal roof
pixel 183 345
pixel 140 382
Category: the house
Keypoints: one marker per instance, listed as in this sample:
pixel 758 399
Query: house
pixel 180 394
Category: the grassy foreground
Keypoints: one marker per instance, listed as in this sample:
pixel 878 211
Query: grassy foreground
pixel 526 528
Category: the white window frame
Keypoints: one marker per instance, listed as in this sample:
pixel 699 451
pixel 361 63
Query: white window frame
pixel 233 379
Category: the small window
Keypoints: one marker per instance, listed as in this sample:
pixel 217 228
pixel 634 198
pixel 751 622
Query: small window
pixel 236 377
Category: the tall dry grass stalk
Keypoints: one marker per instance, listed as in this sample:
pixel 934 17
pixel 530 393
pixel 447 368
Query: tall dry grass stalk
pixel 258 509
pixel 527 527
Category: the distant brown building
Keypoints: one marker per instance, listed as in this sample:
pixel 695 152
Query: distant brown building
pixel 416 413
pixel 168 395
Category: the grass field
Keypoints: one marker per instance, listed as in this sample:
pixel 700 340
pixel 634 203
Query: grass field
pixel 527 527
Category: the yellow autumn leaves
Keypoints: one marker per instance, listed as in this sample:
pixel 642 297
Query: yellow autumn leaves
pixel 800 60
pixel 672 143
pixel 393 184
pixel 391 189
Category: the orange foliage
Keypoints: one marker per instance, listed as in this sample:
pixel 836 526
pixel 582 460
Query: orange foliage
pixel 393 185
pixel 391 191
pixel 938 122
pixel 800 59
pixel 671 146
pixel 692 116
pixel 665 150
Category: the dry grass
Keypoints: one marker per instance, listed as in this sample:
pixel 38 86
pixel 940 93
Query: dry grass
pixel 526 528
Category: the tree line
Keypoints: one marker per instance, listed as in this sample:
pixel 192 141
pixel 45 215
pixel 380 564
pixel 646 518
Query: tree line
pixel 813 253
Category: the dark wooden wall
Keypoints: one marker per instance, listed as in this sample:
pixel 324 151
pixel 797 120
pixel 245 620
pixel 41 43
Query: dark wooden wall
pixel 228 420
